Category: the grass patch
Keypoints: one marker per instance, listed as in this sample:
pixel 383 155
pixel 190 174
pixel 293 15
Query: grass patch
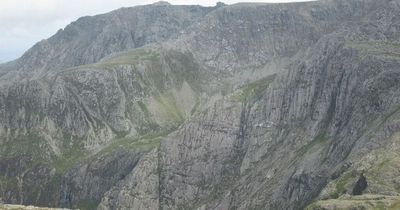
pixel 318 140
pixel 185 68
pixel 389 115
pixel 144 109
pixel 132 57
pixel 395 206
pixel 87 205
pixel 33 145
pixel 249 91
pixel 73 152
pixel 29 144
pixel 385 43
pixel 311 206
pixel 144 143
pixel 369 202
pixel 168 103
pixel 196 106
pixel 340 187
pixel 377 47
pixel 8 182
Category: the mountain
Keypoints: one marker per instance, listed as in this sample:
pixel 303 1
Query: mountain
pixel 244 106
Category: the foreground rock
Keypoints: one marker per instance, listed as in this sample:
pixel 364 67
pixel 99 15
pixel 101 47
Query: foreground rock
pixel 20 207
pixel 365 202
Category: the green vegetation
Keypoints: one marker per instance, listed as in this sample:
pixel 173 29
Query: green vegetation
pixel 28 144
pixel 73 151
pixel 367 45
pixel 250 91
pixel 225 87
pixel 384 169
pixel 340 186
pixel 20 207
pixel 366 202
pixel 377 47
pixel 162 72
pixel 168 103
pixel 312 206
pixel 87 205
pixel 132 57
pixel 196 106
pixel 35 146
pixel 385 43
pixel 144 109
pixel 143 143
pixel 156 82
pixel 158 88
pixel 8 182
pixel 389 115
pixel 142 118
pixel 184 68
pixel 318 140
pixel 394 205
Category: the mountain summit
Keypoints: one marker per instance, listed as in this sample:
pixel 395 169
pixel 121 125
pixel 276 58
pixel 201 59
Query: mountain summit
pixel 162 3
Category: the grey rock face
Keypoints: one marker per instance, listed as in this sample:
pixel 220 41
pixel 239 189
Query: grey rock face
pixel 63 118
pixel 174 124
pixel 86 183
pixel 139 190
pixel 245 36
pixel 200 160
pixel 89 39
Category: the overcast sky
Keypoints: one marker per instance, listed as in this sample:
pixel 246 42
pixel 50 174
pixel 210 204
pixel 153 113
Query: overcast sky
pixel 25 22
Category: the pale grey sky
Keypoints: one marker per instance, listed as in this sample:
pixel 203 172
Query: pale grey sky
pixel 25 22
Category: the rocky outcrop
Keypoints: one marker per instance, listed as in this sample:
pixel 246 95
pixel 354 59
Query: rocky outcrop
pixel 139 190
pixel 20 207
pixel 367 202
pixel 84 186
pixel 248 106
pixel 91 38
pixel 67 116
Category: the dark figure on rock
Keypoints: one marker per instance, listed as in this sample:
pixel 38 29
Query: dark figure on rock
pixel 361 185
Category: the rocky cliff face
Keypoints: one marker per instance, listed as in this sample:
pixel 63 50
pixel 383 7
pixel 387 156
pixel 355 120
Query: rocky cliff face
pixel 247 106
